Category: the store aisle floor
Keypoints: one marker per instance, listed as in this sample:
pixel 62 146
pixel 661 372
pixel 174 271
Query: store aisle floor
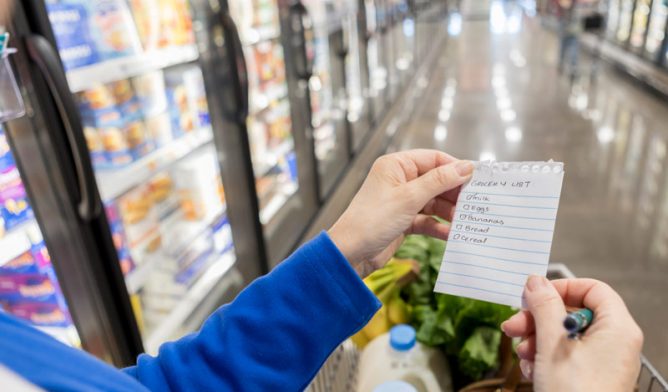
pixel 496 94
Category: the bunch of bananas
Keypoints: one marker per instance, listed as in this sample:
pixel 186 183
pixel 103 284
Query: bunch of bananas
pixel 386 283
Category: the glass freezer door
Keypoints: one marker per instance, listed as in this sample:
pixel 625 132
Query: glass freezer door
pixel 403 33
pixel 613 18
pixel 625 21
pixel 29 287
pixel 269 123
pixel 641 17
pixel 357 76
pixel 133 69
pixel 327 93
pixel 656 31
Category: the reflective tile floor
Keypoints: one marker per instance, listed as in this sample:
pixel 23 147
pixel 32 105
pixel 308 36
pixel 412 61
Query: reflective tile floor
pixel 496 94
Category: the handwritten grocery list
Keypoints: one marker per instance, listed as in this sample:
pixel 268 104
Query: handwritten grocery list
pixel 502 230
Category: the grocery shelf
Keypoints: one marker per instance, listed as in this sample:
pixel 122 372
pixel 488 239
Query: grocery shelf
pixel 114 182
pixel 17 241
pixel 255 35
pixel 80 79
pixel 136 279
pixel 271 158
pixel 170 325
pixel 261 100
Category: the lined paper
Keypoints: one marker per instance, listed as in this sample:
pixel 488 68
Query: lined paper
pixel 502 230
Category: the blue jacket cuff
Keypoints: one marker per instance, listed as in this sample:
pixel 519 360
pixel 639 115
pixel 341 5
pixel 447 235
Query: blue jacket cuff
pixel 328 260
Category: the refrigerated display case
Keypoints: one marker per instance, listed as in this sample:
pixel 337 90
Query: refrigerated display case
pixel 29 286
pixel 326 47
pixel 282 168
pixel 145 117
pixel 359 111
pixel 377 68
pixel 121 95
pixel 625 21
pixel 269 122
pixel 612 23
pixel 402 31
pixel 656 31
pixel 641 18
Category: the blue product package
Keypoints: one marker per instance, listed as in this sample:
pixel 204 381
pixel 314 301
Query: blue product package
pixel 6 158
pixel 73 36
pixel 291 159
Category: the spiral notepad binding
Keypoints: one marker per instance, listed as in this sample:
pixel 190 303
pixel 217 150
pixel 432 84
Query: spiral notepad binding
pixel 520 167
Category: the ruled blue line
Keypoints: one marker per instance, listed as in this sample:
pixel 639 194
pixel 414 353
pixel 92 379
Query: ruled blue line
pixel 475 288
pixel 479 277
pixel 506 227
pixel 484 267
pixel 498 247
pixel 506 216
pixel 497 236
pixel 508 205
pixel 501 194
pixel 495 258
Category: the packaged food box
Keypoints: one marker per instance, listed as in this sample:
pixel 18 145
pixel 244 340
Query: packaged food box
pixel 105 24
pixel 222 236
pixel 42 314
pixel 6 158
pixel 14 205
pixel 118 236
pixel 194 178
pixel 33 261
pixel 95 144
pixel 116 147
pixel 175 23
pixel 144 13
pixel 159 128
pixel 70 23
pixel 140 221
pixel 181 114
pixel 196 95
pixel 150 92
pixel 36 287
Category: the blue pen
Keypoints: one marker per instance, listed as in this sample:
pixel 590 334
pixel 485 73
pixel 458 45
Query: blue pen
pixel 576 322
pixel 4 39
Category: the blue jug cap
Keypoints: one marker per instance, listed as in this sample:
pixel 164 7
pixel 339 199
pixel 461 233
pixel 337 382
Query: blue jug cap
pixel 402 337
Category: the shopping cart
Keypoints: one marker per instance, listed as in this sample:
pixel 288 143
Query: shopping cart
pixel 339 373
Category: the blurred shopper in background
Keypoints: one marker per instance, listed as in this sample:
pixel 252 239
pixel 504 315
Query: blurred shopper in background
pixel 569 29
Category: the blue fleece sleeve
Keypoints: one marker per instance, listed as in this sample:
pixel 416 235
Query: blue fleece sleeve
pixel 275 335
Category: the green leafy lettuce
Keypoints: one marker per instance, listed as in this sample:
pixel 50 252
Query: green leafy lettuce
pixel 464 328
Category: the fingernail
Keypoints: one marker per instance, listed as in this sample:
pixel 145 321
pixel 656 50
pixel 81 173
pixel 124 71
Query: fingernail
pixel 527 369
pixel 536 282
pixel 503 327
pixel 464 168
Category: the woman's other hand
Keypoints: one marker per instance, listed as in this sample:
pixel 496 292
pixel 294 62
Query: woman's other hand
pixel 399 196
pixel 605 358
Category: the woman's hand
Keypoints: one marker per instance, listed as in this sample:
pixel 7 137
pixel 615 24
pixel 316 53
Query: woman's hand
pixel 606 358
pixel 399 196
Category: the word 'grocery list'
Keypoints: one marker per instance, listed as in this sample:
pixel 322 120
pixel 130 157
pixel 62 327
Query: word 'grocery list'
pixel 502 230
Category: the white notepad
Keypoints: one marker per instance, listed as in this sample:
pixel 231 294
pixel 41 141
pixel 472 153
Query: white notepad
pixel 502 230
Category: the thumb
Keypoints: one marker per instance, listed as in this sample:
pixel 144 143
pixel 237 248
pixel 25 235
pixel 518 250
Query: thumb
pixel 440 180
pixel 548 311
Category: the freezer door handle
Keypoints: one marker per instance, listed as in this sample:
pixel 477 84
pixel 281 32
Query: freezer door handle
pixel 42 53
pixel 241 89
pixel 302 25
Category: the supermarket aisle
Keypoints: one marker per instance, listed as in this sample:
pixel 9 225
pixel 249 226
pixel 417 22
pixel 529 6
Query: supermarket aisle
pixel 496 94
